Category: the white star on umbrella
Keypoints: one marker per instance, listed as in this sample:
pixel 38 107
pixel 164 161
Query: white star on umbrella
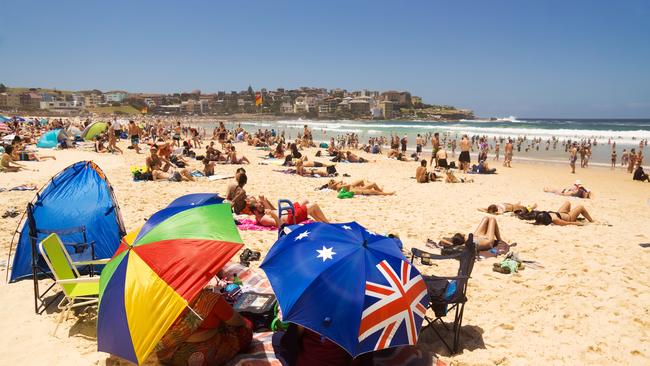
pixel 346 227
pixel 370 232
pixel 302 235
pixel 325 253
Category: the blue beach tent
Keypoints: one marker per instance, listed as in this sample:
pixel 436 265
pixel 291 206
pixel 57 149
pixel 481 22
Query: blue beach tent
pixel 79 205
pixel 51 138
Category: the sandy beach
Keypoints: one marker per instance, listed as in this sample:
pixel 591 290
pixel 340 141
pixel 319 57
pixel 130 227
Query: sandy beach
pixel 588 305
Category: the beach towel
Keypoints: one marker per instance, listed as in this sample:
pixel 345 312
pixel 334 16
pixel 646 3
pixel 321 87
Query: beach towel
pixel 220 176
pixel 247 224
pixel 260 352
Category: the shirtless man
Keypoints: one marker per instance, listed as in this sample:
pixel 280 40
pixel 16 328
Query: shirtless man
pixel 441 158
pixel 464 158
pixel 573 157
pixel 435 145
pixel 154 165
pixel 421 174
pixel 508 151
pixel 631 161
pixel 418 145
pixel 134 133
pixel 497 147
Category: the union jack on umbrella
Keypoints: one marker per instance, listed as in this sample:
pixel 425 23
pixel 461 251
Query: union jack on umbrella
pixel 348 284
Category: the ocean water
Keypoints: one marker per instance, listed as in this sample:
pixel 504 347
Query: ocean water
pixel 626 133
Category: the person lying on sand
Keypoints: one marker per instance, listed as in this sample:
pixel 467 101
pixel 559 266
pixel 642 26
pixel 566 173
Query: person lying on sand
pixel 451 178
pixel 564 216
pixel 501 208
pixel 421 174
pixel 352 158
pixel 304 210
pixel 154 165
pixel 577 190
pixel 486 235
pixel 359 187
pixel 302 171
pixel 394 154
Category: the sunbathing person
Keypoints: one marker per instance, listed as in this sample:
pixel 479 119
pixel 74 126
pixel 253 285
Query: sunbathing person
pixel 232 157
pixel 501 208
pixel 359 187
pixel 640 175
pixel 577 190
pixel 421 174
pixel 209 330
pixel 486 235
pixel 304 210
pixel 154 165
pixel 302 171
pixel 352 158
pixel 564 216
pixel 278 153
pixel 451 178
pixel 19 152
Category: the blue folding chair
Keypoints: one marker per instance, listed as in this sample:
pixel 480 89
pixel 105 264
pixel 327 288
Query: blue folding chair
pixel 285 206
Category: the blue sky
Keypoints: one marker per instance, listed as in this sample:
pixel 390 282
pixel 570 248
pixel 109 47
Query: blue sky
pixel 525 58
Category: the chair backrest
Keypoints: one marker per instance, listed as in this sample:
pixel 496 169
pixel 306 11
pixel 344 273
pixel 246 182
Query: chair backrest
pixel 57 259
pixel 467 260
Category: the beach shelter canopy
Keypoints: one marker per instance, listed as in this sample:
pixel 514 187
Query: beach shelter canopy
pixel 351 285
pixel 80 195
pixel 74 131
pixel 51 139
pixel 157 271
pixel 93 130
pixel 4 118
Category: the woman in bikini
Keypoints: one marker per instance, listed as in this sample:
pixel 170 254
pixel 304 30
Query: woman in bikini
pixel 577 190
pixel 501 208
pixel 360 187
pixel 303 210
pixel 232 157
pixel 154 165
pixel 564 216
pixel 300 170
pixel 451 178
pixel 486 235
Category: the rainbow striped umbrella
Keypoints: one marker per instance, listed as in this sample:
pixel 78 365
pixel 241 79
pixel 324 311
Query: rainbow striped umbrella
pixel 157 271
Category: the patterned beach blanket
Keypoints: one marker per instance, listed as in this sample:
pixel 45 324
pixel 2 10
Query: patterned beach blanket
pixel 252 280
pixel 259 353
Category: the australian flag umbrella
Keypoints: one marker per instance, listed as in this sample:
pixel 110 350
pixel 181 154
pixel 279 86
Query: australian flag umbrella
pixel 348 284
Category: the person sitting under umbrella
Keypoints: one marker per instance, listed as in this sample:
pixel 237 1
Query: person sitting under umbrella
pixel 216 339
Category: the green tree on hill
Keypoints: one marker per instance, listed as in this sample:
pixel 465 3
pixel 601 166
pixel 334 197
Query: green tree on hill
pixel 3 88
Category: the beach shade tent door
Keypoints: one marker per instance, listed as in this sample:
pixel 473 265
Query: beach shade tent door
pixel 93 130
pixel 51 139
pixel 348 284
pixel 157 271
pixel 79 205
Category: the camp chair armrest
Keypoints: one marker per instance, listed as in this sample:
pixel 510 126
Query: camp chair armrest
pixel 96 261
pixel 447 256
pixel 79 280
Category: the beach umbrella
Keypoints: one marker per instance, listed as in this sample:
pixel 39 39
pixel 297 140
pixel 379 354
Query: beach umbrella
pixel 157 271
pixel 19 119
pixel 348 284
pixel 74 131
pixel 93 130
pixel 4 118
pixel 4 128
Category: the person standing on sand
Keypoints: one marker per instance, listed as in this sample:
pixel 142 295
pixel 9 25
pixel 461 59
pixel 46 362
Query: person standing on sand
pixel 112 140
pixel 613 158
pixel 497 147
pixel 508 151
pixel 418 145
pixel 404 142
pixel 453 148
pixel 573 157
pixel 435 145
pixel 631 161
pixel 134 133
pixel 464 158
pixel 624 157
pixel 177 134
